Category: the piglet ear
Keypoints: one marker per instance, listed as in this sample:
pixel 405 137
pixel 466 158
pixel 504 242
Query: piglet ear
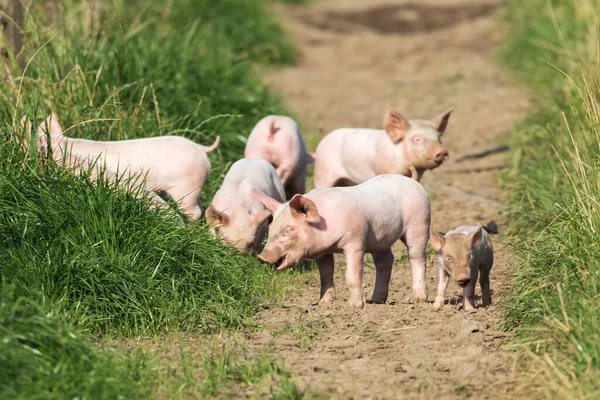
pixel 42 140
pixel 50 125
pixel 395 125
pixel 475 237
pixel 310 158
pixel 437 240
pixel 441 121
pixel 272 128
pixel 305 209
pixel 271 204
pixel 214 216
pixel 260 217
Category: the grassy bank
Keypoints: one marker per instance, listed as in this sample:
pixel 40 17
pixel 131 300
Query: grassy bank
pixel 41 358
pixel 127 70
pixel 552 46
pixel 85 258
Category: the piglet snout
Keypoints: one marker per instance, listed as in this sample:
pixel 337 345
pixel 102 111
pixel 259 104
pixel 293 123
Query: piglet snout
pixel 262 258
pixel 463 280
pixel 441 155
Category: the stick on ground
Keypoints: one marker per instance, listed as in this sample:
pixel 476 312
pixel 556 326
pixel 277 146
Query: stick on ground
pixel 483 153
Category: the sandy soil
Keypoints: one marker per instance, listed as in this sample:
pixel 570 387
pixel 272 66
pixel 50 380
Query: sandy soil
pixel 420 57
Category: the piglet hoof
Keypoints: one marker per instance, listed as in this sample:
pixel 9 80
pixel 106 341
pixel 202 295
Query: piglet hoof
pixel 326 298
pixel 378 298
pixel 419 299
pixel 357 302
pixel 437 304
pixel 419 295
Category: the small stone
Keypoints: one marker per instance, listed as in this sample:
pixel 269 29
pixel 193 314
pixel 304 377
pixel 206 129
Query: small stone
pixel 399 368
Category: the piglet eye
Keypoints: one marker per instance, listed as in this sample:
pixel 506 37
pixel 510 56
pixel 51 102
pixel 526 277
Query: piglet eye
pixel 449 259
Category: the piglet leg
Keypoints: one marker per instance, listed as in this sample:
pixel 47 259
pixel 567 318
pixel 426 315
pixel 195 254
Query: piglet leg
pixel 383 264
pixel 484 282
pixel 326 269
pixel 443 278
pixel 354 275
pixel 469 291
pixel 416 243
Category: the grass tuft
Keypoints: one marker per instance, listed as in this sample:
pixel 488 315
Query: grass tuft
pixel 555 193
pixel 41 358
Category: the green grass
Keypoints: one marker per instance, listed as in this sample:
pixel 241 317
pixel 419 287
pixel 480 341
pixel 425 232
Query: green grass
pixel 217 367
pixel 86 259
pixel 554 191
pixel 88 250
pixel 40 358
pixel 227 369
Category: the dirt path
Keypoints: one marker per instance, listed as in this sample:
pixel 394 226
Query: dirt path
pixel 357 57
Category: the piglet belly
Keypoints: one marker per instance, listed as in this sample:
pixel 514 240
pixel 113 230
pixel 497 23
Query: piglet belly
pixel 383 238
